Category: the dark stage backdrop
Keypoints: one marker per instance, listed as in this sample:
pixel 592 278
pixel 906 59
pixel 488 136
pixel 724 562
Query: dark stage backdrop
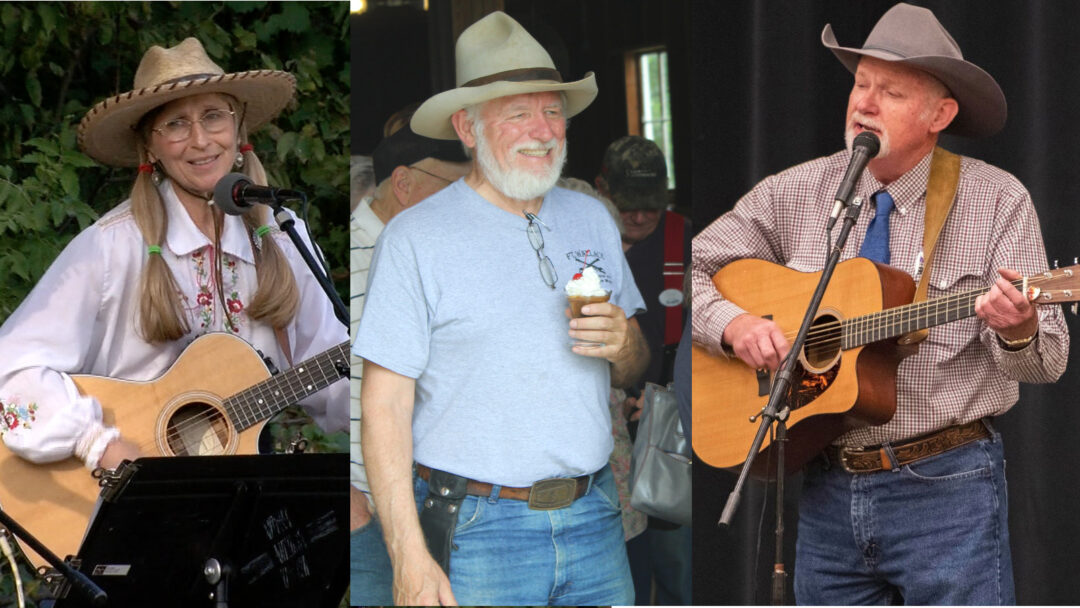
pixel 768 95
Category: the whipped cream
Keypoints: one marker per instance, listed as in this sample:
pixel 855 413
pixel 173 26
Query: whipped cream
pixel 585 283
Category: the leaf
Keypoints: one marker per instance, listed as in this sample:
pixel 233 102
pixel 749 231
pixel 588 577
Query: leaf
pixel 47 13
pixel 285 144
pixel 244 7
pixel 69 180
pixel 33 89
pixel 9 15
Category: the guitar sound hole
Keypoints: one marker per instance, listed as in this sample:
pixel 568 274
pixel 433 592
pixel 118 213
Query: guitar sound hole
pixel 197 429
pixel 819 361
pixel 822 348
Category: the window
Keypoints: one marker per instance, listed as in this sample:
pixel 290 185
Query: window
pixel 648 102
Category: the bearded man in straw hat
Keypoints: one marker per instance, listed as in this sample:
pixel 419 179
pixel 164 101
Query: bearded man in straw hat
pixel 912 510
pixel 469 366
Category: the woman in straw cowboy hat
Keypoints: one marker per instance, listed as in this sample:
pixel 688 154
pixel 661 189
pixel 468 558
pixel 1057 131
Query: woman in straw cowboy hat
pixel 131 292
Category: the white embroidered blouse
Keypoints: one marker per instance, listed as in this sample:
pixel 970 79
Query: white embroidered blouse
pixel 81 318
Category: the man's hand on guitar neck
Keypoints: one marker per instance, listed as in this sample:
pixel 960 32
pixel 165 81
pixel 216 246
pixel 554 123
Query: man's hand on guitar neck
pixel 759 342
pixel 1006 310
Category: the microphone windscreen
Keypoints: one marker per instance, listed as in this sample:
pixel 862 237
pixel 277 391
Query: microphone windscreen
pixel 223 194
pixel 867 140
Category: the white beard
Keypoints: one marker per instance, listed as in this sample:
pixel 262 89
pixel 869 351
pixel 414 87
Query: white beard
pixel 518 184
pixel 883 138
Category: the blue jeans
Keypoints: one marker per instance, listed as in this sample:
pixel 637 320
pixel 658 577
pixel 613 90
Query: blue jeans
pixel 371 578
pixel 933 532
pixel 507 554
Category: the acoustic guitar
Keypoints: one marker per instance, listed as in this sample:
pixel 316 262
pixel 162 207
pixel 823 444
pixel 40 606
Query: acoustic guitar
pixel 845 376
pixel 210 402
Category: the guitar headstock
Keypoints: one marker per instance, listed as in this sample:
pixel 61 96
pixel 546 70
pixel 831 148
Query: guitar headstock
pixel 1055 286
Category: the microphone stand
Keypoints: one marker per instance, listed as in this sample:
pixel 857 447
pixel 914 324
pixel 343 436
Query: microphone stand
pixel 777 411
pixel 287 223
pixel 78 580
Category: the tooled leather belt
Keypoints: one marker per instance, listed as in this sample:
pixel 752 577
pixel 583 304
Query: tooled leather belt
pixel 544 495
pixel 873 459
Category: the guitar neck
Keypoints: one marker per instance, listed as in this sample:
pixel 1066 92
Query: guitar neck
pixel 274 394
pixel 901 320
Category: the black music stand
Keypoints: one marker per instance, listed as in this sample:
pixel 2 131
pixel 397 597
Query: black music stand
pixel 222 531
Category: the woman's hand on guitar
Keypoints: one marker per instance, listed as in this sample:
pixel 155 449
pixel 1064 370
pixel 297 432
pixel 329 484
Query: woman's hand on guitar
pixel 759 342
pixel 117 452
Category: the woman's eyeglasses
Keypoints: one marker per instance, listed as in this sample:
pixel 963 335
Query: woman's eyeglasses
pixel 179 129
pixel 536 239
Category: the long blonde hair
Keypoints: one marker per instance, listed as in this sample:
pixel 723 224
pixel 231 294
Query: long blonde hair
pixel 162 316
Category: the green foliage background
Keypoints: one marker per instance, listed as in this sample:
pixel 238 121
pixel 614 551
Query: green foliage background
pixel 59 59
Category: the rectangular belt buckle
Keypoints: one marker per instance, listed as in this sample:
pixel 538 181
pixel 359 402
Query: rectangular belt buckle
pixel 551 494
pixel 844 463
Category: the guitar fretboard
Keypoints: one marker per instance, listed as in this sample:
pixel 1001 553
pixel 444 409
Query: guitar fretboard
pixel 274 394
pixel 898 321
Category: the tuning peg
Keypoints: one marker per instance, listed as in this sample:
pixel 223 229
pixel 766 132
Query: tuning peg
pixel 1055 264
pixel 1072 308
pixel 1076 260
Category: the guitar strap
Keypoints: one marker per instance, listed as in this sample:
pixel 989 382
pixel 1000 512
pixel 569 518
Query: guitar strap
pixel 940 195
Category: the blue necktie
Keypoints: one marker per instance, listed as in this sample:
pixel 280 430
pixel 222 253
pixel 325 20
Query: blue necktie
pixel 876 244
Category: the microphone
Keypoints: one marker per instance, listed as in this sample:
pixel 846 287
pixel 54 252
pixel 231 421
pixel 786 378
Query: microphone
pixel 865 146
pixel 235 194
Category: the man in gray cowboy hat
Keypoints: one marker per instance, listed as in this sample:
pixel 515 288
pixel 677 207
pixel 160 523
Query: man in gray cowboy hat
pixel 913 510
pixel 472 370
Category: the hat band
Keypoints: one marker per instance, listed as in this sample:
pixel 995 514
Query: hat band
pixel 520 75
pixel 187 78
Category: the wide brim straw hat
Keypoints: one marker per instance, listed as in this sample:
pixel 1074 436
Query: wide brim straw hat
pixel 495 57
pixel 913 36
pixel 108 131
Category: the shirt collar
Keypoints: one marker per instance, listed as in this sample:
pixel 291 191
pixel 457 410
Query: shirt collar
pixel 363 218
pixel 906 190
pixel 184 237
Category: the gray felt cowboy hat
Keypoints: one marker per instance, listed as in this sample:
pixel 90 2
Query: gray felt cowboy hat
pixel 495 57
pixel 107 132
pixel 913 36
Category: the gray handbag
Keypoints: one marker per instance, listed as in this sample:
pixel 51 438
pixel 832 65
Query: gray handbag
pixel 660 465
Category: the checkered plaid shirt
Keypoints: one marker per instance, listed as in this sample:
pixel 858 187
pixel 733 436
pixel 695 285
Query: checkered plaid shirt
pixel 961 372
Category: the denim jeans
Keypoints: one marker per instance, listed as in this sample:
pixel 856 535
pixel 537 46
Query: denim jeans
pixel 371 578
pixel 932 532
pixel 507 554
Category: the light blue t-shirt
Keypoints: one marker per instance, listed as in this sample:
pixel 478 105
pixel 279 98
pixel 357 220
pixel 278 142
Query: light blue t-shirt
pixel 455 299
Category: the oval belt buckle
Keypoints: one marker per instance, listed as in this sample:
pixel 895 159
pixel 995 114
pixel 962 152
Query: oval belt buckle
pixel 554 493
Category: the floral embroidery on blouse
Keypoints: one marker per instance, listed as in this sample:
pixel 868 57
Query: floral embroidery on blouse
pixel 203 261
pixel 13 416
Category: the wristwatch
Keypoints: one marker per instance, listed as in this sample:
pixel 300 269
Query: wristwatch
pixel 1015 345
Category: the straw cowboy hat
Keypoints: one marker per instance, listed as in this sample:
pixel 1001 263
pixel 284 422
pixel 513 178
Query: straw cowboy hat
pixel 913 36
pixel 107 132
pixel 496 57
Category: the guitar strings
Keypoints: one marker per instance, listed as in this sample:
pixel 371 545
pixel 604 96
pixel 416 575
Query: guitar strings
pixel 233 410
pixel 826 336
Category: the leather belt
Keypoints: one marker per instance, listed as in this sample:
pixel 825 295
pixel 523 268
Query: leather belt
pixel 544 495
pixel 874 459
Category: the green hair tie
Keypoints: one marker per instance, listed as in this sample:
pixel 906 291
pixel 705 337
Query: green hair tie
pixel 262 231
pixel 152 249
